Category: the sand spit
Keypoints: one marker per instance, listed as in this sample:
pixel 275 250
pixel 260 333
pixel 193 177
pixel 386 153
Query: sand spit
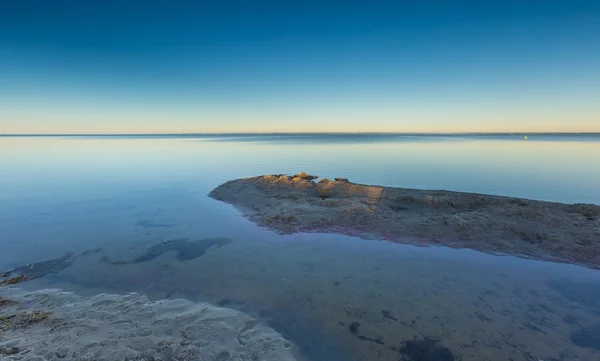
pixel 53 325
pixel 494 224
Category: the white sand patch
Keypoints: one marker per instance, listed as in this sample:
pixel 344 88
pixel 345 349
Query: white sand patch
pixel 130 327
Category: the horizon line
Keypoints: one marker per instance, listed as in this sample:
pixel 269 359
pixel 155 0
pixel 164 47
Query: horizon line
pixel 291 133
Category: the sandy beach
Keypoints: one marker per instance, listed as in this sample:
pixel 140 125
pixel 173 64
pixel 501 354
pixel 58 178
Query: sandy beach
pixel 51 324
pixel 526 228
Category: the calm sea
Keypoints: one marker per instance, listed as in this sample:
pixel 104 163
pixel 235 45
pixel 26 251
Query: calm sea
pixel 335 297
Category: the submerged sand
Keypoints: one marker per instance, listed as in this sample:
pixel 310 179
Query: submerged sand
pixel 501 225
pixel 51 324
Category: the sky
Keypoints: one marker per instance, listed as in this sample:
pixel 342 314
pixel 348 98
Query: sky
pixel 104 66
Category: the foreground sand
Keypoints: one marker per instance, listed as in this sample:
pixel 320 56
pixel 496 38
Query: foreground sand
pixel 493 224
pixel 51 324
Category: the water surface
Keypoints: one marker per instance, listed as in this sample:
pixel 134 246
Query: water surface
pixel 336 297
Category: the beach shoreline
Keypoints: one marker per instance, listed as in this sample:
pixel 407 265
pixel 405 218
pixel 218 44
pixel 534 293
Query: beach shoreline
pixel 51 324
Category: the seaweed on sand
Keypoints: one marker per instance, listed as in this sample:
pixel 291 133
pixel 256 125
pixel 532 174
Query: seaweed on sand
pixel 36 270
pixel 186 250
pixel 23 319
pixel 6 302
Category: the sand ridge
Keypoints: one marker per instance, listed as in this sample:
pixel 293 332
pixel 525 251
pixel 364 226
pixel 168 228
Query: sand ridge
pixel 494 224
pixel 53 325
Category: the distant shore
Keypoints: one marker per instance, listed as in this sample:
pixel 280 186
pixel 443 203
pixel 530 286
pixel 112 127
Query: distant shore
pixel 558 232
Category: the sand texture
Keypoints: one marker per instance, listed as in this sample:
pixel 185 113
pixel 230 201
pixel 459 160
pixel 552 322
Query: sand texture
pixel 501 225
pixel 55 325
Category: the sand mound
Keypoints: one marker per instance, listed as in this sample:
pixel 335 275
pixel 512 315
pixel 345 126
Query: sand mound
pixel 520 227
pixel 55 325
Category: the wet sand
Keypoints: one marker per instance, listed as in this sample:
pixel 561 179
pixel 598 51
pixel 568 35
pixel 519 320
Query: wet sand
pixel 50 324
pixel 525 228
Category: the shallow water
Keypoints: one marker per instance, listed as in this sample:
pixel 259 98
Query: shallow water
pixel 336 297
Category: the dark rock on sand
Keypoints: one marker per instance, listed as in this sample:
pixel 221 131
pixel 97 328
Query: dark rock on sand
pixel 388 315
pixel 494 224
pixel 305 176
pixel 9 350
pixel 426 349
pixel 376 340
pixel 354 327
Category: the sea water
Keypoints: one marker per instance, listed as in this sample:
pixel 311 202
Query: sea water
pixel 335 297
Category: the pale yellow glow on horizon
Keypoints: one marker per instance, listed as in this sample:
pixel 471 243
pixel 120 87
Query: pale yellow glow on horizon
pixel 330 120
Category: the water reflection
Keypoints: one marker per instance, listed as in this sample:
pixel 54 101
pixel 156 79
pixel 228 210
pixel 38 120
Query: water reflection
pixel 56 168
pixel 339 298
pixel 344 298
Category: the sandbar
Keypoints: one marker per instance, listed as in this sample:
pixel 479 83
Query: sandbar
pixel 286 204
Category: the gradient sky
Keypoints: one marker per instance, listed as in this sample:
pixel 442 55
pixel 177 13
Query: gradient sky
pixel 103 66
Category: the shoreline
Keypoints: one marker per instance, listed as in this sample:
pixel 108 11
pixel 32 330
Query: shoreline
pixel 36 324
pixel 549 231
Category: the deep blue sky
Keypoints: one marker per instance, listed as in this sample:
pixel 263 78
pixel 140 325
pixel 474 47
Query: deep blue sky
pixel 228 66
